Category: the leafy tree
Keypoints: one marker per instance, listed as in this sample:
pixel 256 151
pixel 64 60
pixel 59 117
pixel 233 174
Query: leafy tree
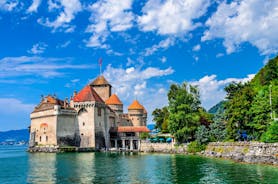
pixel 202 135
pixel 217 131
pixel 260 114
pixel 237 108
pixel 184 115
pixel 160 117
pixel 271 135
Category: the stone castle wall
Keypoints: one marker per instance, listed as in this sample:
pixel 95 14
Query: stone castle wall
pixel 251 152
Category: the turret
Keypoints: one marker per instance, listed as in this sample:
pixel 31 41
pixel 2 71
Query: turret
pixel 115 104
pixel 136 113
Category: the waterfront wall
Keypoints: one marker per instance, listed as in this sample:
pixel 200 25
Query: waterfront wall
pixel 250 152
pixel 162 147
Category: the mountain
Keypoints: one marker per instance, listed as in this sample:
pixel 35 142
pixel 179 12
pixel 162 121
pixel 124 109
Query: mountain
pixel 217 108
pixel 14 135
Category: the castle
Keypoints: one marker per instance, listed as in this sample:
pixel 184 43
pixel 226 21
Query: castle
pixel 93 118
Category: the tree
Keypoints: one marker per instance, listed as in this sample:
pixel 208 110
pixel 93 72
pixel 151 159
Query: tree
pixel 184 115
pixel 202 135
pixel 160 117
pixel 239 102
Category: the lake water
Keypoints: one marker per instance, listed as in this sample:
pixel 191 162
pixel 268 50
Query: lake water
pixel 18 166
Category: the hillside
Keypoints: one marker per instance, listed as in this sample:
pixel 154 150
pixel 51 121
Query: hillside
pixel 14 135
pixel 249 105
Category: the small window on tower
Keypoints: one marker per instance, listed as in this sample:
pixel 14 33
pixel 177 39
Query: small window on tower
pixel 46 138
pixel 99 111
pixel 83 123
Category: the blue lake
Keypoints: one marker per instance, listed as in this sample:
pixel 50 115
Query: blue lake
pixel 19 166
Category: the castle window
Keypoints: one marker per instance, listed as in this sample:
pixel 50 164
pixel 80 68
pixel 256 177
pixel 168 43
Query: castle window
pixel 46 138
pixel 99 111
pixel 40 138
pixel 82 134
pixel 83 123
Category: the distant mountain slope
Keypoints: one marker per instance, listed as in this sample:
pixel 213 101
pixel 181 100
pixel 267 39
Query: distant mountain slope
pixel 16 135
pixel 217 108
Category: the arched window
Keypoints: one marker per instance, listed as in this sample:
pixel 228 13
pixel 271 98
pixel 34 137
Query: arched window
pixel 40 138
pixel 83 123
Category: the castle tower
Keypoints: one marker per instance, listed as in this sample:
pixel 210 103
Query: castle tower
pixel 102 87
pixel 115 104
pixel 136 113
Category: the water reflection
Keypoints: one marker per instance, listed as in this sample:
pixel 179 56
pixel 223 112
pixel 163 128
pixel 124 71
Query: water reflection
pixel 42 168
pixel 141 168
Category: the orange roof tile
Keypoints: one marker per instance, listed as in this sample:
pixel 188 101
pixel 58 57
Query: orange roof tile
pixel 100 80
pixel 130 129
pixel 113 100
pixel 87 94
pixel 135 106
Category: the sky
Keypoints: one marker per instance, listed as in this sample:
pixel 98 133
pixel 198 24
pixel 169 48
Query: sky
pixel 53 47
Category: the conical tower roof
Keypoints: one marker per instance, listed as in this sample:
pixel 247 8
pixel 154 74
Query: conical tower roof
pixel 100 80
pixel 113 100
pixel 135 106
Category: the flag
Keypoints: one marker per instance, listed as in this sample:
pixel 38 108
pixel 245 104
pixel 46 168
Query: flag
pixel 100 61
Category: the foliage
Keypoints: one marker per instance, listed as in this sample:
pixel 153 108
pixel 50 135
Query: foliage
pixel 194 147
pixel 202 135
pixel 144 135
pixel 248 105
pixel 184 114
pixel 160 117
pixel 217 131
pixel 271 135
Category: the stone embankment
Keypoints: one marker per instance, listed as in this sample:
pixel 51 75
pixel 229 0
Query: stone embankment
pixel 250 152
pixel 162 147
pixel 57 149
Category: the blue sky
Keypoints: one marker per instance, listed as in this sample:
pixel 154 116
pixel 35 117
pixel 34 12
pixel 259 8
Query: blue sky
pixel 53 47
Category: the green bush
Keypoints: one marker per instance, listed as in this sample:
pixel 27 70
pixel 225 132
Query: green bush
pixel 271 134
pixel 194 147
pixel 144 135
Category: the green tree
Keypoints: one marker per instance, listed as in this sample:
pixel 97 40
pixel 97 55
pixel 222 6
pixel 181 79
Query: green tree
pixel 202 135
pixel 271 135
pixel 160 117
pixel 184 115
pixel 237 108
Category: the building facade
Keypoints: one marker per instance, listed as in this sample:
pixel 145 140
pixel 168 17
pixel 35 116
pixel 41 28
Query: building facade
pixel 93 118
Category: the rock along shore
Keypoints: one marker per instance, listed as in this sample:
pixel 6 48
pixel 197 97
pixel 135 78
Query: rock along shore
pixel 249 152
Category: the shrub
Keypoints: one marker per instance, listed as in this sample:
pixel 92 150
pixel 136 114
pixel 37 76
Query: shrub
pixel 271 135
pixel 194 147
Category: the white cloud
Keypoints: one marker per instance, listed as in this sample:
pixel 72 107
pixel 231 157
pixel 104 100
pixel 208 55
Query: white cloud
pixel 13 106
pixel 164 44
pixel 196 48
pixel 137 83
pixel 109 15
pixel 72 83
pixel 172 16
pixel 36 66
pixel 34 6
pixel 212 90
pixel 38 48
pixel 70 9
pixel 252 21
pixel 8 5
pixel 163 59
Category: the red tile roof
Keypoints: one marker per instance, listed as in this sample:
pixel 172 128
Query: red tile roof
pixel 113 100
pixel 130 129
pixel 135 106
pixel 87 94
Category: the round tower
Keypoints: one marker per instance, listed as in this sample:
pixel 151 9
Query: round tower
pixel 115 104
pixel 136 113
